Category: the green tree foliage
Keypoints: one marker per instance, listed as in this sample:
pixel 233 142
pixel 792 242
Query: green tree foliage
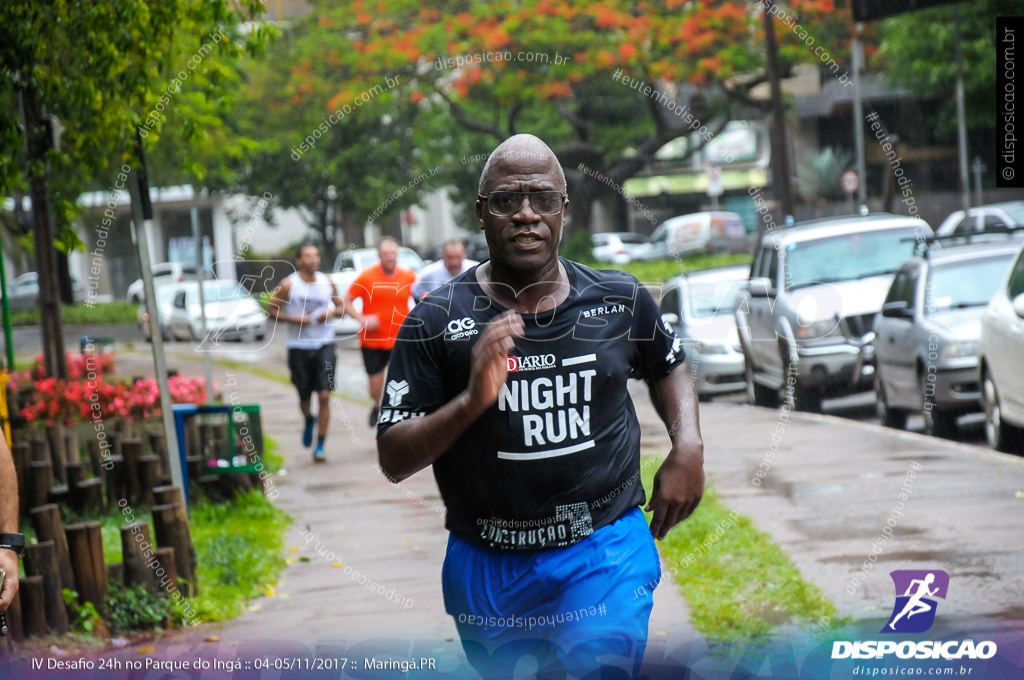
pixel 917 53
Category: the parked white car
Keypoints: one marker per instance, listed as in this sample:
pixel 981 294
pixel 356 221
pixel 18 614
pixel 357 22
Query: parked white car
pixel 165 272
pixel 349 264
pixel 24 291
pixel 1001 362
pixel 231 312
pixel 995 217
pixel 699 307
pixel 621 247
pixel 165 304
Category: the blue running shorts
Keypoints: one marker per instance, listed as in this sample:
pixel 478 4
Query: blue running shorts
pixel 581 610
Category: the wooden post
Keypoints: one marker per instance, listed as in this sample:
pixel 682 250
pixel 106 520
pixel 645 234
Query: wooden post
pixel 75 473
pixel 72 448
pixel 58 494
pixel 131 450
pixel 15 617
pixel 47 523
pixel 168 580
pixel 33 605
pixel 40 450
pixel 115 442
pixel 22 453
pixel 39 483
pixel 171 525
pixel 96 457
pixel 113 475
pixel 41 560
pixel 165 495
pixel 149 476
pixel 115 571
pixel 55 437
pixel 85 544
pixel 91 493
pixel 134 541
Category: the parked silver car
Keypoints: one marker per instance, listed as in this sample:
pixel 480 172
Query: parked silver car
pixel 927 334
pixel 1001 362
pixel 699 307
pixel 231 312
pixel 805 322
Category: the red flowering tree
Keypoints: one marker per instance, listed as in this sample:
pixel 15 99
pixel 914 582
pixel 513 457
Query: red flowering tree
pixel 558 82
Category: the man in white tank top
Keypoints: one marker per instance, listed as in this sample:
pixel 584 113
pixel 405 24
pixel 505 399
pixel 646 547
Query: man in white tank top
pixel 304 300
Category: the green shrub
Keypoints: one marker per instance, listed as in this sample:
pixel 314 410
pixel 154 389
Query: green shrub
pixel 134 609
pixel 579 247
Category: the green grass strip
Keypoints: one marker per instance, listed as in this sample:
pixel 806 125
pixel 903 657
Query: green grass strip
pixel 79 314
pixel 739 585
pixel 240 549
pixel 663 270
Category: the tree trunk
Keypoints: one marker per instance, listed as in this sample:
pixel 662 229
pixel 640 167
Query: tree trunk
pixel 780 148
pixel 37 145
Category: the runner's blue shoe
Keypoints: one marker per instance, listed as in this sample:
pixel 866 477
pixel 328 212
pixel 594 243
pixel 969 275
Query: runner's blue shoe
pixel 307 434
pixel 318 455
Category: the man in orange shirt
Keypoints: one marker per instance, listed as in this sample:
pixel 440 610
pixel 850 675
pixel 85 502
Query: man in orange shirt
pixel 385 289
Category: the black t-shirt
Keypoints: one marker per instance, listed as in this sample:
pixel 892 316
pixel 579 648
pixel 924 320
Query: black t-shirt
pixel 558 456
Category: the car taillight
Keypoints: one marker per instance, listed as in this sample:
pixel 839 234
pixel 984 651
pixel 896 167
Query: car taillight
pixel 623 251
pixel 145 316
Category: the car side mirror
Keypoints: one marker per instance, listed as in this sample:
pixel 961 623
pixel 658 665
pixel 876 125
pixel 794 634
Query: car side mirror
pixel 670 318
pixel 761 288
pixel 1018 305
pixel 897 310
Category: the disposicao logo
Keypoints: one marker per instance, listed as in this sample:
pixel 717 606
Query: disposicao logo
pixel 914 612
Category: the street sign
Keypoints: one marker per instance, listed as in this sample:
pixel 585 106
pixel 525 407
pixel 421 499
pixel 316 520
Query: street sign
pixel 850 181
pixel 714 181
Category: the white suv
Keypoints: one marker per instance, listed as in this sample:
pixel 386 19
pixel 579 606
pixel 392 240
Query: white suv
pixel 1001 354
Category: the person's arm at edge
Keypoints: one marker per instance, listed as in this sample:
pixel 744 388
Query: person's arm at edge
pixel 411 445
pixel 8 522
pixel 679 483
pixel 277 302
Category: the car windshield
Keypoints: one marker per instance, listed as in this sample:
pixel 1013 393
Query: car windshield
pixel 1015 212
pixel 632 238
pixel 601 239
pixel 221 291
pixel 847 257
pixel 958 285
pixel 708 297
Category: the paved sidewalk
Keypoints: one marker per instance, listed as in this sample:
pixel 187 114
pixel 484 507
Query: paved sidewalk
pixel 375 527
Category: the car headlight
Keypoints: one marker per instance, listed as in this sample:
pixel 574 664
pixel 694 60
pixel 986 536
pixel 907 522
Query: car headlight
pixel 711 348
pixel 816 329
pixel 955 350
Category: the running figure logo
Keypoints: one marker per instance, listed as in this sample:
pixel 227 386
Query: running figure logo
pixel 913 611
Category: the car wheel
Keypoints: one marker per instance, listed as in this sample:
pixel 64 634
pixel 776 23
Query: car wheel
pixel 259 337
pixel 808 401
pixel 758 395
pixel 890 417
pixel 937 422
pixel 1000 435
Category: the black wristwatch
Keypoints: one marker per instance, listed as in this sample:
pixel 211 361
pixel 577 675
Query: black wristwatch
pixel 15 542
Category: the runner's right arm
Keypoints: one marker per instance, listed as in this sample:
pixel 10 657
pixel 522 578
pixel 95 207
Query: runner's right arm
pixel 411 445
pixel 278 301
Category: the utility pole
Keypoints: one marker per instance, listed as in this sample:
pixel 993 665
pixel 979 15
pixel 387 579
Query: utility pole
pixel 780 149
pixel 200 278
pixel 858 117
pixel 38 139
pixel 961 117
pixel 141 211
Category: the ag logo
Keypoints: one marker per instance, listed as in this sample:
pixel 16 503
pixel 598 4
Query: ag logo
pixel 396 390
pixel 913 611
pixel 461 328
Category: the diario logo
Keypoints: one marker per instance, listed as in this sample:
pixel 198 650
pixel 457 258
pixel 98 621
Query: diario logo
pixel 914 612
pixel 533 362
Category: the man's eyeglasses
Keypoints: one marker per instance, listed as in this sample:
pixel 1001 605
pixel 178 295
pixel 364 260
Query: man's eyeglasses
pixel 508 203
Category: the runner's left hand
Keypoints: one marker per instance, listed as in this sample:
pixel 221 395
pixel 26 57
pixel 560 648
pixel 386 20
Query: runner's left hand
pixel 678 488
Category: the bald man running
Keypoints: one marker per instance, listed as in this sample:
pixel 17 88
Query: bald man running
pixel 511 382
